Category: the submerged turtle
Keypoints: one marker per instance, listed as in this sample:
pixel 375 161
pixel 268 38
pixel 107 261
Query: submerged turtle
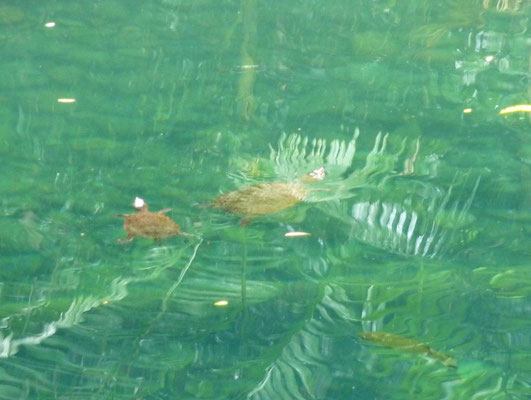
pixel 267 197
pixel 148 224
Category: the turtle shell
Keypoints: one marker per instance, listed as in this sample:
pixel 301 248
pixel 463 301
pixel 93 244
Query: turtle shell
pixel 153 225
pixel 148 224
pixel 267 197
pixel 262 198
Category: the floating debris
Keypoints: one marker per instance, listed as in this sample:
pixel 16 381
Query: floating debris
pixel 410 345
pixel 248 66
pixel 296 234
pixel 517 108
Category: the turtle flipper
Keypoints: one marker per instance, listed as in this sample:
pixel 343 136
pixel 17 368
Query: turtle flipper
pixel 127 239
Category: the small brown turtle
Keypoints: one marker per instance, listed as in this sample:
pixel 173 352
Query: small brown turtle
pixel 148 224
pixel 267 197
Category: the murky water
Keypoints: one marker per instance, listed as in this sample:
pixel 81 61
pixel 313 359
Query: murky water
pixel 409 277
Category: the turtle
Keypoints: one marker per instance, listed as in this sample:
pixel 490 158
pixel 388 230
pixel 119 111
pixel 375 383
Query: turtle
pixel 149 224
pixel 266 197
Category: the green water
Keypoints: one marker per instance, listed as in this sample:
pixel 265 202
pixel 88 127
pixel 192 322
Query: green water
pixel 421 227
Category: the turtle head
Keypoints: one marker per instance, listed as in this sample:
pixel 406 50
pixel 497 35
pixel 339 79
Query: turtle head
pixel 140 204
pixel 316 175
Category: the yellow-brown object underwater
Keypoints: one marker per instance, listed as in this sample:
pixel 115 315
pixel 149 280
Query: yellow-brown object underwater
pixel 406 344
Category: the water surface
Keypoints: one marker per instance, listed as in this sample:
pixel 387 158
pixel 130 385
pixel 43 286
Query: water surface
pixel 421 228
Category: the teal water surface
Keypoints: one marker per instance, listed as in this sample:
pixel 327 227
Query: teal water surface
pixel 412 279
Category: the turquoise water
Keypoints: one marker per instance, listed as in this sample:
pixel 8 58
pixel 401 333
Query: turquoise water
pixel 420 229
